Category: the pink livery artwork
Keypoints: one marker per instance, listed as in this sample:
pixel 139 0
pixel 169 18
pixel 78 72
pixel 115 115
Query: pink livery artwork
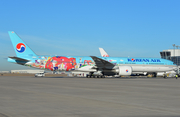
pixel 60 63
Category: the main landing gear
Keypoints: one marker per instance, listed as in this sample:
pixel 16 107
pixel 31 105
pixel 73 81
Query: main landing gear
pixel 95 76
pixel 154 74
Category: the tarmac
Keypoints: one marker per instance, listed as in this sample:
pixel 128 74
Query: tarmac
pixel 29 96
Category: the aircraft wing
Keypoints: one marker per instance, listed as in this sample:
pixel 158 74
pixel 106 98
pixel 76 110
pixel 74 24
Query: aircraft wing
pixel 19 59
pixel 100 63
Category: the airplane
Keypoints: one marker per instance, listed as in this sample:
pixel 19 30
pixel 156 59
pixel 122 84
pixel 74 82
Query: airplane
pixel 122 66
pixel 103 52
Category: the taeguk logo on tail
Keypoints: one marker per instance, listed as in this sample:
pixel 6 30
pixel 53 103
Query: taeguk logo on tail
pixel 20 47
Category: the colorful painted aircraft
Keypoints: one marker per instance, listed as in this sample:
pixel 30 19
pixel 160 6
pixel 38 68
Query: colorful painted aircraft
pixel 93 65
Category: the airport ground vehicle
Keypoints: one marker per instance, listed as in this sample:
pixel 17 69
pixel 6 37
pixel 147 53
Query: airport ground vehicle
pixel 39 75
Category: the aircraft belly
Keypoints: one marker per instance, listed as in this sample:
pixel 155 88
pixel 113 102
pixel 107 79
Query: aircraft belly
pixel 152 68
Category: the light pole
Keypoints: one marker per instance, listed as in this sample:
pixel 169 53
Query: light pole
pixel 174 58
pixel 174 52
pixel 174 48
pixel 177 56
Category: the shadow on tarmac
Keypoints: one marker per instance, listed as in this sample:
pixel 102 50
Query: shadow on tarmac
pixel 107 77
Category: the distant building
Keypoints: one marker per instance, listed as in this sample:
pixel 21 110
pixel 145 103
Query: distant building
pixel 27 71
pixel 4 72
pixel 171 54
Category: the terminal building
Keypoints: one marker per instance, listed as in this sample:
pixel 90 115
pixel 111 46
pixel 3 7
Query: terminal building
pixel 172 55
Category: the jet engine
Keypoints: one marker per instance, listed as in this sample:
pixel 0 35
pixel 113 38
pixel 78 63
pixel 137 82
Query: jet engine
pixel 124 70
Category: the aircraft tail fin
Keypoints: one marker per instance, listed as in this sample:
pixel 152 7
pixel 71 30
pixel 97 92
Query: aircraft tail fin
pixel 21 49
pixel 103 52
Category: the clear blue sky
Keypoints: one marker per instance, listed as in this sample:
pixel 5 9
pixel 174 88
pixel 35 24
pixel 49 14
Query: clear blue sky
pixel 135 28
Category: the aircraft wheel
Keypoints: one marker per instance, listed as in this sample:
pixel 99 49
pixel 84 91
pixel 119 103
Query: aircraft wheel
pixel 155 75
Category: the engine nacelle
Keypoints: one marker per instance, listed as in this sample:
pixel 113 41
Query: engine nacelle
pixel 124 70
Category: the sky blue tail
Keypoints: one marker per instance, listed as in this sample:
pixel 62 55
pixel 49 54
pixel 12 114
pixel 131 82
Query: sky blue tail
pixel 21 49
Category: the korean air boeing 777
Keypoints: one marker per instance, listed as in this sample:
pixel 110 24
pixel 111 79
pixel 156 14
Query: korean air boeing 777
pixel 91 64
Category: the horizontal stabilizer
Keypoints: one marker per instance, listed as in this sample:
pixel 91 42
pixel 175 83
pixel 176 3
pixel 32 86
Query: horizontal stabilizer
pixel 19 59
